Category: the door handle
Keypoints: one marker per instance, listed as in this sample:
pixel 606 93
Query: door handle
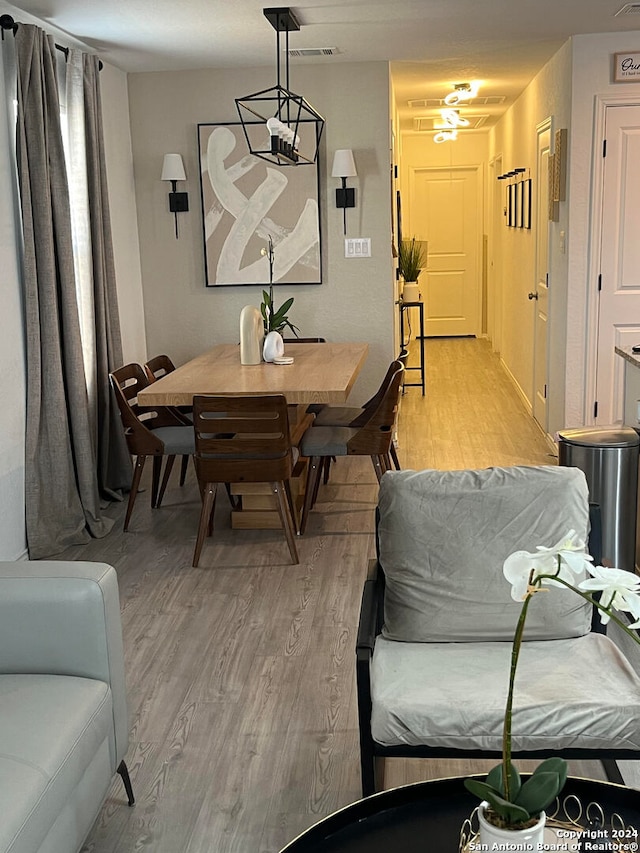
pixel 533 296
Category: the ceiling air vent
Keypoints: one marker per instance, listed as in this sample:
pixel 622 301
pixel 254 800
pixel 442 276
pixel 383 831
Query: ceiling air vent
pixel 313 51
pixel 428 124
pixel 437 103
pixel 628 9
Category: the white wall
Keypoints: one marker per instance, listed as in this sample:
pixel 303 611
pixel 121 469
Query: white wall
pixel 122 202
pixel 514 137
pixel 592 76
pixel 355 300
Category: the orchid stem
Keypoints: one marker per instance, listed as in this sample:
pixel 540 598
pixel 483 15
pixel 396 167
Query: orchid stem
pixel 506 729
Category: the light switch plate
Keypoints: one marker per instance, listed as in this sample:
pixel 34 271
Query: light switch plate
pixel 357 247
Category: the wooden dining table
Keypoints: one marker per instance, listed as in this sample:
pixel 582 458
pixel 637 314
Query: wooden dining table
pixel 320 373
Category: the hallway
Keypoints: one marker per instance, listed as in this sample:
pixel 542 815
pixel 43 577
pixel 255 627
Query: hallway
pixel 471 415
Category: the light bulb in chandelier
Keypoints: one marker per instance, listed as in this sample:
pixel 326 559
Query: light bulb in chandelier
pixel 283 141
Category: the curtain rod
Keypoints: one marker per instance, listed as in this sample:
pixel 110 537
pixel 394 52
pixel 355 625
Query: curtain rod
pixel 7 23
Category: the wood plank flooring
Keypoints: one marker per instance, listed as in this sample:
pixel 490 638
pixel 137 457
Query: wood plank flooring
pixel 241 672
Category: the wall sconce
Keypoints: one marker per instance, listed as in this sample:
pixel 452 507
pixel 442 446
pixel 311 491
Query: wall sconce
pixel 173 170
pixel 344 167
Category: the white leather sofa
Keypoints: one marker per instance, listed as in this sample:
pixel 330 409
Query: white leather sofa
pixel 63 717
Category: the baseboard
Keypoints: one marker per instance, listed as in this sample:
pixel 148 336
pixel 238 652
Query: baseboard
pixel 551 444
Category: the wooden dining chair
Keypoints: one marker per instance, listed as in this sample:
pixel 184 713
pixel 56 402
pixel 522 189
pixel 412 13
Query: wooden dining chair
pixel 150 431
pixel 156 368
pixel 372 438
pixel 356 416
pixel 243 440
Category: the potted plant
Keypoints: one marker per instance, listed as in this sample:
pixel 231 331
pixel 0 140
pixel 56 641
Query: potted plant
pixel 509 805
pixel 275 319
pixel 412 258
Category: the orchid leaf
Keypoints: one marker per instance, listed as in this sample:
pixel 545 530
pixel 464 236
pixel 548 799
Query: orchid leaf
pixel 495 780
pixel 511 812
pixel 554 765
pixel 539 791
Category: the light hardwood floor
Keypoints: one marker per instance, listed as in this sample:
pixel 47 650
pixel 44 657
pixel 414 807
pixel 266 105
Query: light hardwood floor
pixel 241 672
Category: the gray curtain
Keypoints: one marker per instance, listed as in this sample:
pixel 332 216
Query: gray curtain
pixel 62 493
pixel 113 459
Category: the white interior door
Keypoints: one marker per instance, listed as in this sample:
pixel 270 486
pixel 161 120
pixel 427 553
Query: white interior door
pixel 540 295
pixel 446 210
pixel 619 297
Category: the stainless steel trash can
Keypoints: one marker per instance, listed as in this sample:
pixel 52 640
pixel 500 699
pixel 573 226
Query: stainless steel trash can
pixel 609 459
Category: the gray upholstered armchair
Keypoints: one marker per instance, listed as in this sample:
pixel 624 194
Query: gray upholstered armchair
pixel 437 626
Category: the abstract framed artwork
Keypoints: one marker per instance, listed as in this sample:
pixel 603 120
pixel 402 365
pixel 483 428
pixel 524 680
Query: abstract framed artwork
pixel 246 200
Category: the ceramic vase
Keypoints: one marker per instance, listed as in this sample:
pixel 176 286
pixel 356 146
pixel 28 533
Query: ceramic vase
pixel 410 292
pixel 510 839
pixel 251 335
pixel 273 346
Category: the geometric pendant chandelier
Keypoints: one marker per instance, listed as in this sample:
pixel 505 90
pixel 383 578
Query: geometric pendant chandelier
pixel 280 126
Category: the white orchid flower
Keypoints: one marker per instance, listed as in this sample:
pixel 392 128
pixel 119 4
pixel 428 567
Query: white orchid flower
pixel 517 570
pixel 564 560
pixel 571 550
pixel 619 590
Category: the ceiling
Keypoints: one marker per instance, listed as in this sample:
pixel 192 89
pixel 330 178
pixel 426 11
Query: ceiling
pixel 432 44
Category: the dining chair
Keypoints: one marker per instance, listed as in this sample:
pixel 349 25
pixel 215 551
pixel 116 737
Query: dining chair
pixel 156 432
pixel 156 368
pixel 243 440
pixel 371 437
pixel 356 416
pixel 437 624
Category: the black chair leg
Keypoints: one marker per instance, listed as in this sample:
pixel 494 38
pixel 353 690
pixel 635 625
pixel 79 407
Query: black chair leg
pixel 123 771
pixel 612 771
pixel 183 469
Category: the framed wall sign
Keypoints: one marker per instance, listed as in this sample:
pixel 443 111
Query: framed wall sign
pixel 246 200
pixel 626 67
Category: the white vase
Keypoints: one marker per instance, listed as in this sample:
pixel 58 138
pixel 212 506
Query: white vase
pixel 510 839
pixel 251 335
pixel 410 292
pixel 273 346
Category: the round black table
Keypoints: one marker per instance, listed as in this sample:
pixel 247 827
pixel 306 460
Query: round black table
pixel 427 817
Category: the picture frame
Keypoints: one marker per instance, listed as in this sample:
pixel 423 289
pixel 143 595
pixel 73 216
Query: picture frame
pixel 626 67
pixel 526 203
pixel 518 191
pixel 245 200
pixel 560 165
pixel 511 205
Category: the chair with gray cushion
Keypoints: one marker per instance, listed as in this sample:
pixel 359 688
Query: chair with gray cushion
pixel 156 368
pixel 437 625
pixel 372 437
pixel 356 416
pixel 155 432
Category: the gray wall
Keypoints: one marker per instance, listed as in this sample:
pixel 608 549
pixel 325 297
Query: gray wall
pixel 355 300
